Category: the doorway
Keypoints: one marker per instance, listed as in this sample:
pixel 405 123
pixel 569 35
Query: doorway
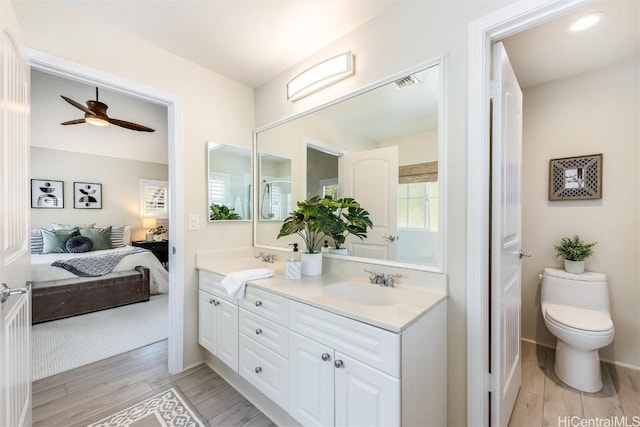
pixel 72 71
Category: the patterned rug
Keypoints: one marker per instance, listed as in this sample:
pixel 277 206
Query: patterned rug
pixel 165 409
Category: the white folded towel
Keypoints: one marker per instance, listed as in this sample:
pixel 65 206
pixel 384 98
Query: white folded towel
pixel 234 283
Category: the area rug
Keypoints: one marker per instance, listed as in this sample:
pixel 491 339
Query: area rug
pixel 165 409
pixel 65 344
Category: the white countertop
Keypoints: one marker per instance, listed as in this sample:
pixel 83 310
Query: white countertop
pixel 411 302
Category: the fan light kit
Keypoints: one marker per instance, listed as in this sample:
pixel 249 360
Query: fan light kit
pixel 95 113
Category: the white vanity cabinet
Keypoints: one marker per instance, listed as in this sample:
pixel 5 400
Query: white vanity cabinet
pixel 326 385
pixel 217 321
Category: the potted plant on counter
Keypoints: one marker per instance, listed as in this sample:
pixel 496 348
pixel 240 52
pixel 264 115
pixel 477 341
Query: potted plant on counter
pixel 313 220
pixel 574 251
pixel 352 220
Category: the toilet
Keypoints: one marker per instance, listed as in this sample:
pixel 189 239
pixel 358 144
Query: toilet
pixel 575 308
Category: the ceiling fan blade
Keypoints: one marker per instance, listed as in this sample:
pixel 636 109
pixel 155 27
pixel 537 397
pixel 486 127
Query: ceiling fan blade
pixel 132 126
pixel 73 122
pixel 78 105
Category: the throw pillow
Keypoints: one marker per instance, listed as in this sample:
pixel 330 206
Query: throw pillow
pixel 36 241
pixel 118 236
pixel 58 226
pixel 78 244
pixel 101 237
pixel 53 241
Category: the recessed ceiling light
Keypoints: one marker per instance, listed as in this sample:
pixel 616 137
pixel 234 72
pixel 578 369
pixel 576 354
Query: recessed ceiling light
pixel 586 21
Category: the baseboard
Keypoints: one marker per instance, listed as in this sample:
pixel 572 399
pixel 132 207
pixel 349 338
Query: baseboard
pixel 611 362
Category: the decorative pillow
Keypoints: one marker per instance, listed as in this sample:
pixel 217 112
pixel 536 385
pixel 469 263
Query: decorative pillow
pixel 118 236
pixel 101 237
pixel 56 226
pixel 36 241
pixel 78 244
pixel 54 240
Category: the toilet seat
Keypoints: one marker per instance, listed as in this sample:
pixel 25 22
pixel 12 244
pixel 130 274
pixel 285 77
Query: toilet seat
pixel 580 320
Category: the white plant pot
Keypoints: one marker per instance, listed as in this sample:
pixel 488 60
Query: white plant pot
pixel 576 267
pixel 311 264
pixel 341 251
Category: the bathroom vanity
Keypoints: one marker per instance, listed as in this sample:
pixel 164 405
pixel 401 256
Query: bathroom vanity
pixel 327 350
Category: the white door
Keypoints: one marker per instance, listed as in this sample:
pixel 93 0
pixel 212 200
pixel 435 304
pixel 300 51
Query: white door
pixel 15 312
pixel 227 333
pixel 364 396
pixel 310 381
pixel 371 177
pixel 505 238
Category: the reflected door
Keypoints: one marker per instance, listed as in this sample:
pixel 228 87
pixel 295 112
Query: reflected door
pixel 371 177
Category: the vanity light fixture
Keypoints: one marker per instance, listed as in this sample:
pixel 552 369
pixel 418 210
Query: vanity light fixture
pixel 320 76
pixel 586 21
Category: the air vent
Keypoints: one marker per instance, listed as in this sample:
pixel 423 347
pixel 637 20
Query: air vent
pixel 407 81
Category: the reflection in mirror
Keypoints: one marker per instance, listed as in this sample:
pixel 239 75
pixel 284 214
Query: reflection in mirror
pixel 229 182
pixel 380 147
pixel 275 187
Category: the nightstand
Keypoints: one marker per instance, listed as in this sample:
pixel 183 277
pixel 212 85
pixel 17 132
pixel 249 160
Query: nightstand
pixel 160 249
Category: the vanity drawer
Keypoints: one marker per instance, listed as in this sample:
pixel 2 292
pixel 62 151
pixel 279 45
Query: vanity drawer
pixel 266 370
pixel 368 344
pixel 267 333
pixel 211 282
pixel 268 305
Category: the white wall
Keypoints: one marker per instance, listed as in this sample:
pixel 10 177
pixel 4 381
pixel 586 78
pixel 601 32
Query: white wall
pixel 409 34
pixel 214 109
pixel 591 113
pixel 120 190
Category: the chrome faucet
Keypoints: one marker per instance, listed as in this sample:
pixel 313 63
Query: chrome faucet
pixel 270 258
pixel 382 279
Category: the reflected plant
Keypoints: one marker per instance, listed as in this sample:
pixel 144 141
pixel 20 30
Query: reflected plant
pixel 222 212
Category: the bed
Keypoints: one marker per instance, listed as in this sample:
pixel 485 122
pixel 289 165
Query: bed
pixel 64 284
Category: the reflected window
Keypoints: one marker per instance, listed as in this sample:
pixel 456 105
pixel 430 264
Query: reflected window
pixel 418 206
pixel 219 188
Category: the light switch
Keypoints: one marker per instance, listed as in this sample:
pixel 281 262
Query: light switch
pixel 194 222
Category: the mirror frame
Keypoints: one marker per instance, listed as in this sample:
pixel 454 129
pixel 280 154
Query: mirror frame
pixel 440 61
pixel 207 146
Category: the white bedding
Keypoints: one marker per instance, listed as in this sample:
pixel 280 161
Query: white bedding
pixel 41 268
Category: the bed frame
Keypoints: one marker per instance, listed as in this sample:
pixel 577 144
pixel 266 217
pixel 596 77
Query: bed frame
pixel 56 299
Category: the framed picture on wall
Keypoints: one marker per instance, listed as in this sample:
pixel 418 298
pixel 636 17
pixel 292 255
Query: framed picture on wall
pixel 576 178
pixel 87 195
pixel 47 194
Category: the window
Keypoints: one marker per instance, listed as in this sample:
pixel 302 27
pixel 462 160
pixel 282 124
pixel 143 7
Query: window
pixel 418 206
pixel 154 199
pixel 219 188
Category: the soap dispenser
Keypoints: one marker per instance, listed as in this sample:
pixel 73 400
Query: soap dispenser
pixel 292 267
pixel 325 247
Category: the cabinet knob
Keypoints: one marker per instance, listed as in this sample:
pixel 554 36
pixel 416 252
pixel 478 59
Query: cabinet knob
pixel 338 363
pixel 258 303
pixel 216 302
pixel 212 301
pixel 258 331
pixel 326 356
pixel 258 370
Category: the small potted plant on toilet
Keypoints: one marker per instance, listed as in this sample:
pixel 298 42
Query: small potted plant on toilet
pixel 574 251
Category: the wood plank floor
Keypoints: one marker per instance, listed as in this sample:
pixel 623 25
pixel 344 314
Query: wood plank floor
pixel 544 400
pixel 89 393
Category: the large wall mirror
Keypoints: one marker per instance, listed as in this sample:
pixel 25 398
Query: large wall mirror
pixel 229 184
pixel 381 146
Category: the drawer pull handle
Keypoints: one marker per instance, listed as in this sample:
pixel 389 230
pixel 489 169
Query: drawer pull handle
pixel 338 363
pixel 258 370
pixel 216 303
pixel 258 331
pixel 326 357
pixel 211 301
pixel 258 303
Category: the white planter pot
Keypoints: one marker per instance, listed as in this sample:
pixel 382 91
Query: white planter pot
pixel 576 267
pixel 341 251
pixel 311 264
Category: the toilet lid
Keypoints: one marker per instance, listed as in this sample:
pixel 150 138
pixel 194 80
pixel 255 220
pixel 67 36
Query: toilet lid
pixel 579 318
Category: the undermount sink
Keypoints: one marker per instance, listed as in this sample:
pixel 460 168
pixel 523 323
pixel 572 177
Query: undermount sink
pixel 361 293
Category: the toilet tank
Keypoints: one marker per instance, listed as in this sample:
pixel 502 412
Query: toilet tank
pixel 587 290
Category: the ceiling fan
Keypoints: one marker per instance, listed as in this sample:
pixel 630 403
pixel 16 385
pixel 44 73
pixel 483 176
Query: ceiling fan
pixel 95 113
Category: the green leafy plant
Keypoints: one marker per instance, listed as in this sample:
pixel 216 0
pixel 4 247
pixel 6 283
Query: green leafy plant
pixel 221 212
pixel 352 220
pixel 574 249
pixel 313 220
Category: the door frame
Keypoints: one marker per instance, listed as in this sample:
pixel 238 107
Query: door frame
pixel 483 32
pixel 73 71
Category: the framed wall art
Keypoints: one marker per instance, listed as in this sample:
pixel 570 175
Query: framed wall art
pixel 87 195
pixel 46 193
pixel 576 178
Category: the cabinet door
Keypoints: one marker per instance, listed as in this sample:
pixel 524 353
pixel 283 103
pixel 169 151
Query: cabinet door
pixel 227 333
pixel 310 381
pixel 364 396
pixel 207 322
